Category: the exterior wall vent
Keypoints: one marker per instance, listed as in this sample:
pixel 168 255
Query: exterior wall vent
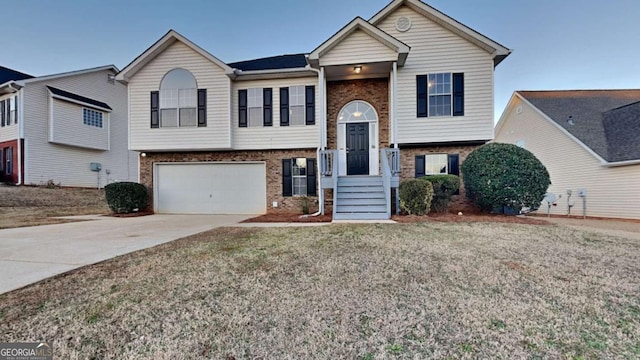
pixel 519 110
pixel 403 24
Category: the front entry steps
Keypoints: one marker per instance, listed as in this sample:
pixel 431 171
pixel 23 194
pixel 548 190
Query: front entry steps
pixel 360 198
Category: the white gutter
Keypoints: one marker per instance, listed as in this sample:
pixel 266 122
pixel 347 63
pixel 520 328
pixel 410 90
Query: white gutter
pixel 20 110
pixel 272 71
pixel 394 122
pixel 622 163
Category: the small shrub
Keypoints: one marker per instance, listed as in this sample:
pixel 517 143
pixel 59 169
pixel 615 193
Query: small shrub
pixel 126 197
pixel 304 204
pixel 499 176
pixel 415 196
pixel 444 186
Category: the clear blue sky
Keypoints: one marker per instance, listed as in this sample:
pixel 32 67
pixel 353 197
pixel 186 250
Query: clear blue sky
pixel 558 44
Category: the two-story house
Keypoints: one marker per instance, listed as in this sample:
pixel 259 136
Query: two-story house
pixel 68 129
pixel 407 93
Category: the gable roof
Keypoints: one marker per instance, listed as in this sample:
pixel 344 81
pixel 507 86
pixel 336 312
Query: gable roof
pixel 65 95
pixel 605 121
pixel 498 51
pixel 291 61
pixel 360 24
pixel 68 73
pixel 158 47
pixel 7 74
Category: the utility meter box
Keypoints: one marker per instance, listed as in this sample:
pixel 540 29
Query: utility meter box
pixel 96 166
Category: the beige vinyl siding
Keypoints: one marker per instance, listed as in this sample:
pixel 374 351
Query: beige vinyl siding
pixel 359 47
pixel 437 50
pixel 208 76
pixel 70 165
pixel 66 127
pixel 276 136
pixel 8 132
pixel 611 191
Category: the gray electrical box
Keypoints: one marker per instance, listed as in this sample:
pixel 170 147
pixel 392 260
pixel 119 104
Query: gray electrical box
pixel 96 166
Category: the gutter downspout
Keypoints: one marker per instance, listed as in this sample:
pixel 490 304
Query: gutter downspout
pixel 321 137
pixel 394 129
pixel 20 111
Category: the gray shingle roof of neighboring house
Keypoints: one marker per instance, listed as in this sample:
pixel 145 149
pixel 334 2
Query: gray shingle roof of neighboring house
pixel 80 98
pixel 271 63
pixel 7 74
pixel 607 121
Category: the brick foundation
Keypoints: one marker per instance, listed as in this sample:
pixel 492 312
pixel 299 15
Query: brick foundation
pixel 408 162
pixel 272 158
pixel 11 178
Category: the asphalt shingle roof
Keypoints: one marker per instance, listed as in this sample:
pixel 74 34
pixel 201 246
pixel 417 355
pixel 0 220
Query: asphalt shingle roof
pixel 7 74
pixel 607 121
pixel 271 63
pixel 80 98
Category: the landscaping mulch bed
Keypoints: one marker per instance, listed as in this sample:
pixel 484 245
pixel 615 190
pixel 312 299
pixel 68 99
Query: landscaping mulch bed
pixel 471 218
pixel 288 218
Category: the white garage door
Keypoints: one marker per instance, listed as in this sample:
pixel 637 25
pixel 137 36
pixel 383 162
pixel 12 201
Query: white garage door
pixel 211 188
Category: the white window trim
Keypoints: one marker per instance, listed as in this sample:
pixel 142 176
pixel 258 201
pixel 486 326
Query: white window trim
pixel 258 95
pixel 178 107
pixel 293 177
pixel 293 103
pixel 446 164
pixel 450 94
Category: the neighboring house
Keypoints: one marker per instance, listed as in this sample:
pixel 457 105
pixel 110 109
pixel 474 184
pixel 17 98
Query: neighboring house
pixel 587 139
pixel 57 128
pixel 407 93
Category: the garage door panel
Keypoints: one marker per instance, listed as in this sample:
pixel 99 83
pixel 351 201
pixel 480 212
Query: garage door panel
pixel 218 188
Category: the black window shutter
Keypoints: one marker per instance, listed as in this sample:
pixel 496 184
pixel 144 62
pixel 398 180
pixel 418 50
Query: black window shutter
pixel 287 179
pixel 155 103
pixel 421 99
pixel 242 108
pixel 284 106
pixel 311 177
pixel 310 105
pixel 16 110
pixel 458 94
pixel 2 114
pixel 202 107
pixel 267 106
pixel 454 166
pixel 420 171
pixel 8 112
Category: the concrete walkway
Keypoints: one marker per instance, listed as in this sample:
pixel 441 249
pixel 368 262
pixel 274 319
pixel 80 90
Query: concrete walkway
pixel 30 254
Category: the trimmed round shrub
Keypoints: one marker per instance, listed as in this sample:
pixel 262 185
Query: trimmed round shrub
pixel 126 197
pixel 504 176
pixel 444 186
pixel 415 197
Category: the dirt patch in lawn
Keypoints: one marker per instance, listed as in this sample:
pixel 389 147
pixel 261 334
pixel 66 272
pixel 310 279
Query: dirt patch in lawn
pixel 375 291
pixel 29 206
pixel 288 218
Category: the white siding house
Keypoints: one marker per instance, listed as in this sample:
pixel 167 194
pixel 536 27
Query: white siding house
pixel 68 121
pixel 364 108
pixel 575 134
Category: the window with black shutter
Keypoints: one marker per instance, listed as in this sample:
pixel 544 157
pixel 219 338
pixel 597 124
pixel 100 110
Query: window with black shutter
pixel 299 177
pixel 242 108
pixel 458 94
pixel 310 105
pixel 202 107
pixel 284 106
pixel 155 101
pixel 421 90
pixel 267 106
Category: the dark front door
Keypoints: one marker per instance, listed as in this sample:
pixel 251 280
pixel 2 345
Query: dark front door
pixel 358 149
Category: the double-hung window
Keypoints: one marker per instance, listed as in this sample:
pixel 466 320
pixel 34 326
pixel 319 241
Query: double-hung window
pixel 440 94
pixel 255 107
pixel 297 105
pixel 437 164
pixel 8 156
pixel 299 177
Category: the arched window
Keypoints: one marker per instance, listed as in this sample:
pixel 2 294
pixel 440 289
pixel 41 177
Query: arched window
pixel 178 99
pixel 357 111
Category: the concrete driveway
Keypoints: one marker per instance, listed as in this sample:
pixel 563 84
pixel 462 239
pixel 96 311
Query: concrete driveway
pixel 30 254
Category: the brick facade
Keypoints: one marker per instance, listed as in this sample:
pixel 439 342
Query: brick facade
pixel 272 158
pixel 11 178
pixel 408 166
pixel 373 91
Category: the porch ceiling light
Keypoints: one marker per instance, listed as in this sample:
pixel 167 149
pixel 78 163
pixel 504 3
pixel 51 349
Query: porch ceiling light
pixel 357 114
pixel 357 69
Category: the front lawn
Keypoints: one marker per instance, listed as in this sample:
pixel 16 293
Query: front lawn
pixel 424 290
pixel 31 206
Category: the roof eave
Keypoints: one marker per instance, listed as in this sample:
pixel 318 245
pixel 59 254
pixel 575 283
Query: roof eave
pixel 274 73
pixel 622 163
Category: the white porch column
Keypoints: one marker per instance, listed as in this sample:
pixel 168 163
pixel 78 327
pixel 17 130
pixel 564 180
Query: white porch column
pixel 392 108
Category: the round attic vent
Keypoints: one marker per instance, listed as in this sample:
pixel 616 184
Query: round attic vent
pixel 403 24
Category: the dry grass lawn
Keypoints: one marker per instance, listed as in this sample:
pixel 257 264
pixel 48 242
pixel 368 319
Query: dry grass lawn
pixel 424 290
pixel 30 206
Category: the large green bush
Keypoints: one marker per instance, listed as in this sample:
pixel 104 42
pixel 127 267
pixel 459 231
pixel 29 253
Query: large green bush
pixel 415 197
pixel 126 197
pixel 498 176
pixel 444 186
